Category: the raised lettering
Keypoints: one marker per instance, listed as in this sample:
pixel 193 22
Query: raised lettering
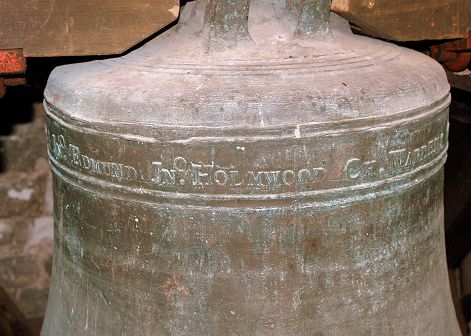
pixel 74 153
pixel 236 180
pixel 117 170
pixel 130 173
pixel 288 177
pixel 58 145
pixel 353 168
pixel 163 176
pixel 255 179
pixel 272 178
pixel 86 162
pixel 221 177
pixel 179 164
pixel 199 178
pixel 95 166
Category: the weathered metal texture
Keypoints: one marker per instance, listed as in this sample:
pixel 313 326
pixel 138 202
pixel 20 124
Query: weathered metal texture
pixel 279 185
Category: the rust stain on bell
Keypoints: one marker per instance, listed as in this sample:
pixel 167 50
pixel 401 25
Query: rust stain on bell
pixel 262 172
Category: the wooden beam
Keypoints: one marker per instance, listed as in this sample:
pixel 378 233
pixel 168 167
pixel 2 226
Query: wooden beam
pixel 81 27
pixel 405 20
pixel 460 81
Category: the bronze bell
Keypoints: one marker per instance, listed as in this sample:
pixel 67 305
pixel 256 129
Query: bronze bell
pixel 255 170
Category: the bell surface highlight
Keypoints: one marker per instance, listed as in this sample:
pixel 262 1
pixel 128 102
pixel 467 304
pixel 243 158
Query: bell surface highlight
pixel 257 169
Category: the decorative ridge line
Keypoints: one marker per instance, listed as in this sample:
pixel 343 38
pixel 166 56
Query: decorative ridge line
pixel 402 179
pixel 292 65
pixel 269 70
pixel 223 133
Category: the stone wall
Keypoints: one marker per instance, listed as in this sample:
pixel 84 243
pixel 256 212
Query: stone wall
pixel 26 224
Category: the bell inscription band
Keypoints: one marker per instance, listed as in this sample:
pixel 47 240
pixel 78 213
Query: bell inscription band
pixel 255 170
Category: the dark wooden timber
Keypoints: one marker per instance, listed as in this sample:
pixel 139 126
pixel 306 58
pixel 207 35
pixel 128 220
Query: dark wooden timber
pixel 403 20
pixel 81 27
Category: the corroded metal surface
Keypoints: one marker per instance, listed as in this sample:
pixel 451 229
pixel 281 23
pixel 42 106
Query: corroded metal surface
pixel 277 182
